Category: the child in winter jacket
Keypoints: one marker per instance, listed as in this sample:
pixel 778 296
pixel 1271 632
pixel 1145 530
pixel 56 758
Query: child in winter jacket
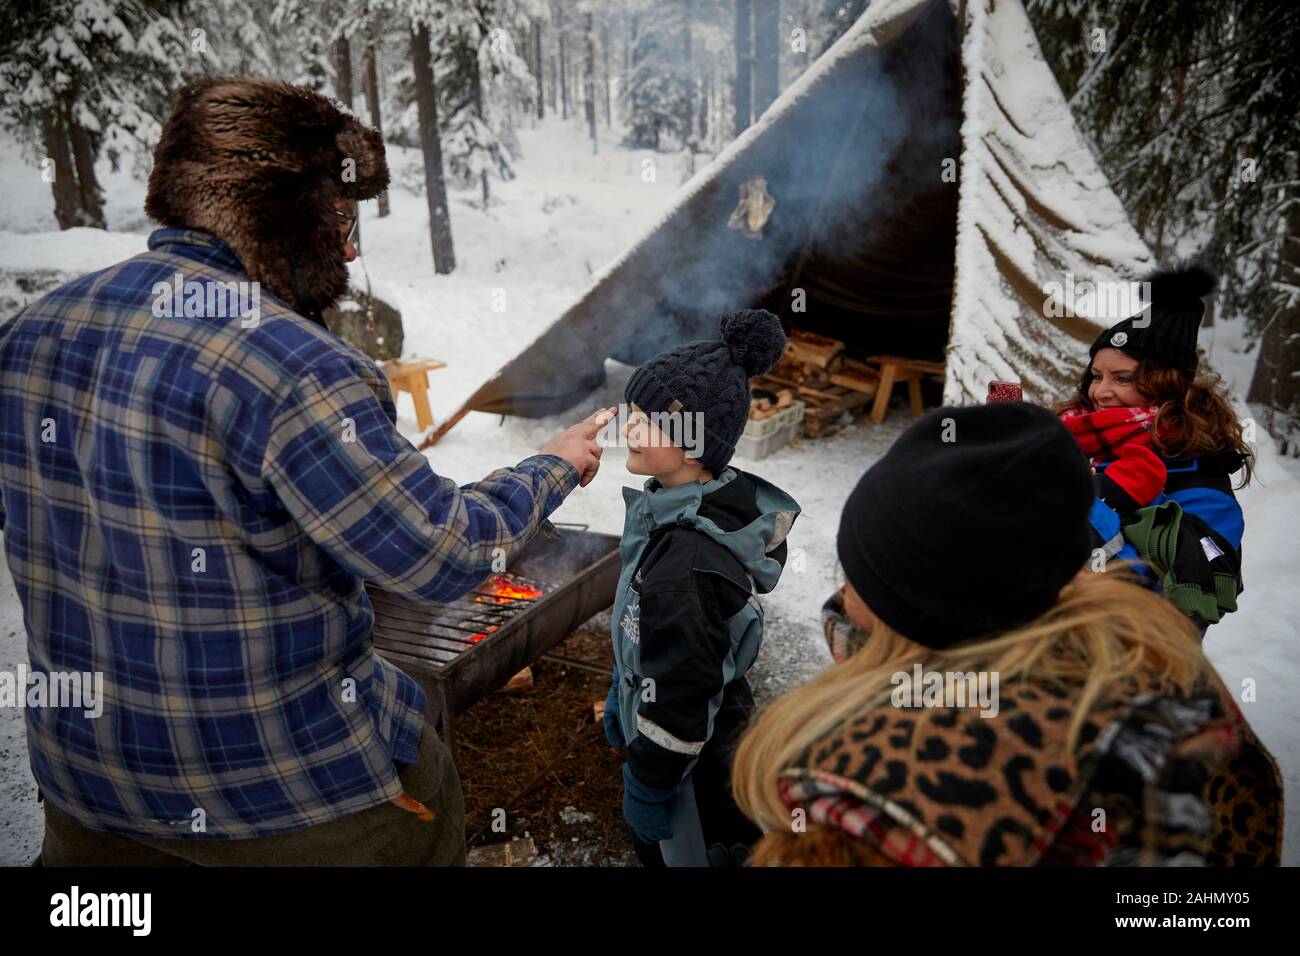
pixel 1004 702
pixel 1164 444
pixel 699 542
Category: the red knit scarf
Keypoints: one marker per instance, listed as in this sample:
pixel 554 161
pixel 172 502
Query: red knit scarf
pixel 1101 433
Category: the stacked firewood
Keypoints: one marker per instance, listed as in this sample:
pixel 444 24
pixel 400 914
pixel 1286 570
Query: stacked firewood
pixel 816 371
pixel 765 406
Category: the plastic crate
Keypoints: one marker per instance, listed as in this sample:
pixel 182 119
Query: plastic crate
pixel 763 436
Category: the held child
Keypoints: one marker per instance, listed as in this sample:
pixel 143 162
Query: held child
pixel 1164 444
pixel 699 542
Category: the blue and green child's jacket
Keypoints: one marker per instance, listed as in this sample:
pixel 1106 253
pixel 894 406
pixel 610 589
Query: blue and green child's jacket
pixel 687 624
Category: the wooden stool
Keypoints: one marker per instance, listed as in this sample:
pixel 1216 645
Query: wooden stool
pixel 413 377
pixel 894 371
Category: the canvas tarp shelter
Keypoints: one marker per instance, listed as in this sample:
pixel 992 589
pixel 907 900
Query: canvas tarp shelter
pixel 929 183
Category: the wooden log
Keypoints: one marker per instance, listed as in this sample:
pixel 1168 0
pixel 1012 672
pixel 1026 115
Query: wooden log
pixel 776 379
pixel 860 369
pixel 521 681
pixel 825 409
pixel 812 349
pixel 856 382
pixel 827 393
pixel 515 853
pixel 788 388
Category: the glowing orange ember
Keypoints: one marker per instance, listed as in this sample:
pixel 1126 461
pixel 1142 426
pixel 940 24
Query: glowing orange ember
pixel 500 589
pixel 482 634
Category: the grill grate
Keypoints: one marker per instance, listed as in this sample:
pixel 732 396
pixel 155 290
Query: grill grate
pixel 459 625
pixel 463 649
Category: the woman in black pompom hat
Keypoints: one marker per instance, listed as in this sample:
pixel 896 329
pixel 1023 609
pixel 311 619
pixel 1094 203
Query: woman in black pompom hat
pixel 1002 694
pixel 701 540
pixel 1165 442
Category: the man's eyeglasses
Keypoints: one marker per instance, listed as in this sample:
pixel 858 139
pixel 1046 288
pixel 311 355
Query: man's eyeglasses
pixel 351 218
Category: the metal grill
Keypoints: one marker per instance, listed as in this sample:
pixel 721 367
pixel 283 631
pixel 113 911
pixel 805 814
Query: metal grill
pixel 441 632
pixel 464 649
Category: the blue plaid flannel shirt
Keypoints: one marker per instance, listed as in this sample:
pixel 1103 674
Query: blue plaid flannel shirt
pixel 184 512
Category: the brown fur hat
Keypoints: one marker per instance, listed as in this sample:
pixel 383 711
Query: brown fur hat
pixel 259 164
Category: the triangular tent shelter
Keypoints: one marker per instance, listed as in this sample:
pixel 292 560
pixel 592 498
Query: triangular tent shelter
pixel 929 185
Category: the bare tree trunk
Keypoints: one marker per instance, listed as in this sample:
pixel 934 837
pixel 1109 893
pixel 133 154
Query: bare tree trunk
pixel 372 104
pixel 83 157
pixel 477 105
pixel 604 53
pixel 706 99
pixel 435 187
pixel 62 176
pixel 1276 382
pixel 476 85
pixel 589 81
pixel 688 67
pixel 564 73
pixel 575 86
pixel 341 55
pixel 537 67
pixel 627 51
pixel 744 64
pixel 767 58
pixel 528 48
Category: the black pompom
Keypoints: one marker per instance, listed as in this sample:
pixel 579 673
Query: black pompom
pixel 1186 283
pixel 755 339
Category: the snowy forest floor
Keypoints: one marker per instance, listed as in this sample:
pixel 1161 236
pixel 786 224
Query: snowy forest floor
pixel 538 243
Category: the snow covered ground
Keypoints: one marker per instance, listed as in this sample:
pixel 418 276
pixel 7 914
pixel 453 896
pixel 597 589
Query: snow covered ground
pixel 534 250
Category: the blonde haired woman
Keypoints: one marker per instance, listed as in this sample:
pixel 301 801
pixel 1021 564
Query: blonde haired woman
pixel 1004 710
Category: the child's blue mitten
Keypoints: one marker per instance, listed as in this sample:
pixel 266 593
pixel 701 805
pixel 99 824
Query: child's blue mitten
pixel 646 810
pixel 611 721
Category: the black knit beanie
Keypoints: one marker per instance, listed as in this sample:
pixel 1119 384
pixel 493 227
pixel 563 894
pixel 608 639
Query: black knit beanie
pixel 970 524
pixel 711 379
pixel 1166 332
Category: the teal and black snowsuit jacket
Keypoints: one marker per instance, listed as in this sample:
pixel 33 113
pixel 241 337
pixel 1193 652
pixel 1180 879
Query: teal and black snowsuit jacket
pixel 687 622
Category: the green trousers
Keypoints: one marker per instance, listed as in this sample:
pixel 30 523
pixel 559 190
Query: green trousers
pixel 384 835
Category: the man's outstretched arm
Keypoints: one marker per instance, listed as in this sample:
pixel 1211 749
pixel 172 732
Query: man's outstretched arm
pixel 369 499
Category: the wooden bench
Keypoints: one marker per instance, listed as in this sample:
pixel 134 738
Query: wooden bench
pixel 413 377
pixel 894 371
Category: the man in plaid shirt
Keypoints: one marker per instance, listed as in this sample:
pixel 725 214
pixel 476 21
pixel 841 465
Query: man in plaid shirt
pixel 191 497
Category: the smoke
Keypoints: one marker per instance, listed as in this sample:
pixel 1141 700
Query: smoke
pixel 855 166
pixel 558 554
